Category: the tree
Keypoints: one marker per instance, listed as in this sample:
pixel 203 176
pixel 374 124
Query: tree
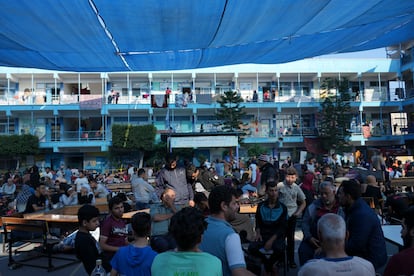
pixel 334 115
pixel 231 112
pixel 18 145
pixel 131 141
pixel 255 150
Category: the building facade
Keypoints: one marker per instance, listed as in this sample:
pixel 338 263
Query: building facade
pixel 72 113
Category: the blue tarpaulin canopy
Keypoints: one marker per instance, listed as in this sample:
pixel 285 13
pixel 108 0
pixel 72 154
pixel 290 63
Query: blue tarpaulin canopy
pixel 142 35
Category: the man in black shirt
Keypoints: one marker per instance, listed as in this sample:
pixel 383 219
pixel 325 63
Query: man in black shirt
pixel 267 173
pixel 86 247
pixel 37 201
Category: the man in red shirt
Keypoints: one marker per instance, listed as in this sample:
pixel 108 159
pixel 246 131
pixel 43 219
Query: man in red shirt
pixel 114 230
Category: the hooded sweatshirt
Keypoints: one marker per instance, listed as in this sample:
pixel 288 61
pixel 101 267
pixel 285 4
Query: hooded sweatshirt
pixel 175 179
pixel 134 261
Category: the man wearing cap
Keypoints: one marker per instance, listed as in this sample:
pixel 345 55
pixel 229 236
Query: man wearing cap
pixel 267 173
pixel 69 197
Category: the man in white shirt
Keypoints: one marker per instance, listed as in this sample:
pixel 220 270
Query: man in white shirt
pixel 131 170
pixel 253 170
pixel 82 180
pixel 48 173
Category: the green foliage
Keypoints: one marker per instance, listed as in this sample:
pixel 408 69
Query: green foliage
pixel 131 143
pixel 231 112
pixel 335 116
pixel 18 145
pixel 255 150
pixel 133 138
pixel 160 151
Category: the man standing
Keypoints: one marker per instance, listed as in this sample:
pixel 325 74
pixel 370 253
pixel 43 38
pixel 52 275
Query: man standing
pixel 267 173
pixel 311 245
pixel 332 233
pixel 220 239
pixel 175 178
pixel 366 239
pixel 377 161
pixel 114 231
pixel 131 170
pixel 401 263
pixel 290 194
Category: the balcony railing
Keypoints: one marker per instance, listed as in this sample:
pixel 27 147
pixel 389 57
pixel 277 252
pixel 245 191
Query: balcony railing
pixel 179 100
pixel 75 136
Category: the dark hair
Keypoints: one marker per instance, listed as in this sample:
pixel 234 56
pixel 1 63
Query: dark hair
pixel 270 184
pixel 291 171
pixel 122 196
pixel 239 192
pixel 218 195
pixel 199 197
pixel 408 217
pixel 141 171
pixel 189 170
pixel 87 212
pixel 114 201
pixel 187 226
pixel 170 158
pixel 141 224
pixel 351 187
pixel 37 185
pixel 64 187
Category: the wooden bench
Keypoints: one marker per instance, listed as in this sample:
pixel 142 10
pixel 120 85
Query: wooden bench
pixel 119 187
pixel 247 209
pixel 32 231
pixel 73 209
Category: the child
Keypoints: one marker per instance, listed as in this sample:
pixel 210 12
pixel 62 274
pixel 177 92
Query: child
pixel 86 247
pixel 137 257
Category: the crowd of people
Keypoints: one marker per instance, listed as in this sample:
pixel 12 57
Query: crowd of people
pixel 190 222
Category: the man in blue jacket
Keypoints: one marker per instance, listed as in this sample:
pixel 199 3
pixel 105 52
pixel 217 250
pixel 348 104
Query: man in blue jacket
pixel 366 238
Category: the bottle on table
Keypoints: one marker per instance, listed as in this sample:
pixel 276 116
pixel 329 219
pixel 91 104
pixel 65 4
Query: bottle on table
pixel 47 208
pixel 98 270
